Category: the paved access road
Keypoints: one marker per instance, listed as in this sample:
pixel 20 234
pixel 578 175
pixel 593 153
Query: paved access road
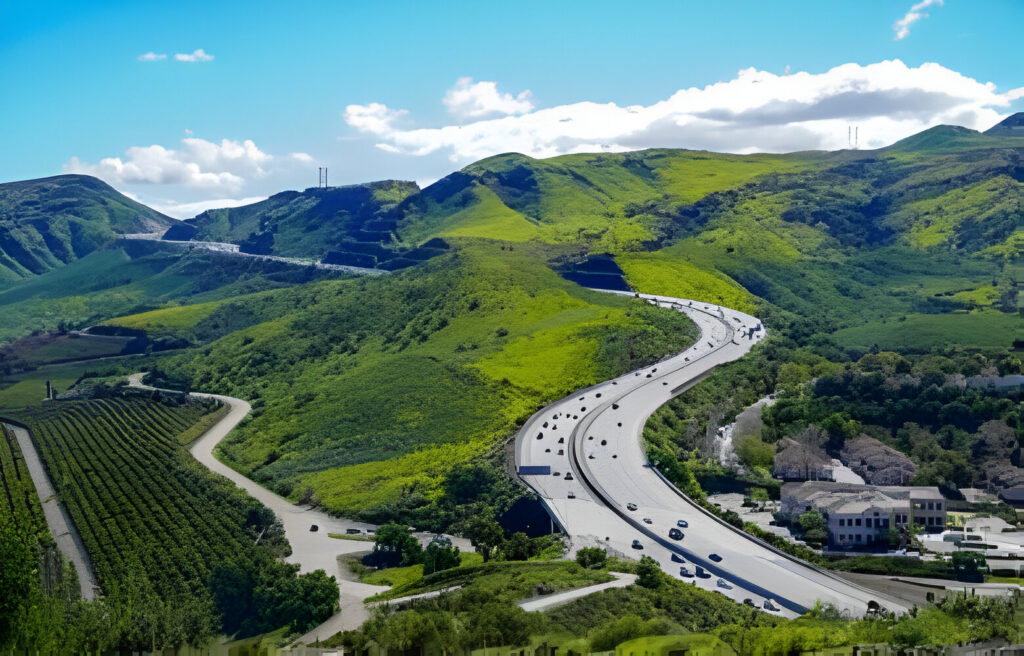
pixel 548 602
pixel 57 519
pixel 591 441
pixel 310 550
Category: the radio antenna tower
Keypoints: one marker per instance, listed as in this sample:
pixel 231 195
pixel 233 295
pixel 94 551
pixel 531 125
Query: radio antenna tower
pixel 321 179
pixel 856 139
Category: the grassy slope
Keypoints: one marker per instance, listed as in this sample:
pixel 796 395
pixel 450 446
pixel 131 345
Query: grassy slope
pixel 49 222
pixel 133 277
pixel 370 390
pixel 305 224
pixel 592 199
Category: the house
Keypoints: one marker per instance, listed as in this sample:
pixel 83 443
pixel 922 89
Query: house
pixel 862 515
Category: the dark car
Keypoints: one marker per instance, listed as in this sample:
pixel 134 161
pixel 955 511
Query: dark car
pixel 685 572
pixel 682 523
pixel 701 574
pixel 675 534
pixel 676 558
pixel 572 495
pixel 630 506
pixel 749 602
pixel 636 544
pixel 314 528
pixel 648 520
pixel 716 558
pixel 769 605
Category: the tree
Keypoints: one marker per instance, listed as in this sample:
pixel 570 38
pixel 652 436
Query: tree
pixel 394 545
pixel 968 565
pixel 814 528
pixel 517 547
pixel 648 573
pixel 591 557
pixel 440 555
pixel 485 535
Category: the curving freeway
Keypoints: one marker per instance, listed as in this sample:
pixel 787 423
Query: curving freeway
pixel 584 457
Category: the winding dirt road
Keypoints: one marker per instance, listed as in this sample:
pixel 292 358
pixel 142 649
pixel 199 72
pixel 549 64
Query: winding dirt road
pixel 311 551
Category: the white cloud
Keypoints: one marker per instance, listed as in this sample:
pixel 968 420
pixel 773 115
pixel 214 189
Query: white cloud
pixel 468 99
pixel 755 111
pixel 152 56
pixel 188 210
pixel 198 164
pixel 902 26
pixel 198 55
pixel 305 158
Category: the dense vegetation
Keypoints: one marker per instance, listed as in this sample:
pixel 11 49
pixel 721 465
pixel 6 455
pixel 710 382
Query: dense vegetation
pixel 481 612
pixel 180 553
pixel 956 435
pixel 50 222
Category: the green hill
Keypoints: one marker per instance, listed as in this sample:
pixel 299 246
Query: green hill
pixel 313 223
pixel 368 392
pixel 49 222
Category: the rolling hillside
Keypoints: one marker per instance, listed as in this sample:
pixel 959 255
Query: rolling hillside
pixel 368 393
pixel 350 225
pixel 49 222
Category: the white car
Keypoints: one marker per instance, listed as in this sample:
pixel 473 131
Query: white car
pixel 769 605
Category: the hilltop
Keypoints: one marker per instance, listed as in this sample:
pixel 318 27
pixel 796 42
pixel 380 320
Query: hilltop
pixel 49 222
pixel 347 225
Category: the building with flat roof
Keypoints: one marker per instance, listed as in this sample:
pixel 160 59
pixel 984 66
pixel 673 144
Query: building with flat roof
pixel 861 515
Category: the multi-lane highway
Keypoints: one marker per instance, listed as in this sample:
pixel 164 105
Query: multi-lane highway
pixel 583 455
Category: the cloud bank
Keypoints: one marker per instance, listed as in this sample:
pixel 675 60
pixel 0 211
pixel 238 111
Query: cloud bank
pixel 222 169
pixel 757 111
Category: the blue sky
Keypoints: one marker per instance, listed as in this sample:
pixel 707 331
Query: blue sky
pixel 360 87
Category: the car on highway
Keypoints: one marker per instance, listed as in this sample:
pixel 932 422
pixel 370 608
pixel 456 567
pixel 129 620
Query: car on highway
pixel 685 572
pixel 722 583
pixel 701 574
pixel 682 523
pixel 572 495
pixel 636 544
pixel 631 506
pixel 675 534
pixel 769 605
pixel 716 558
pixel 648 520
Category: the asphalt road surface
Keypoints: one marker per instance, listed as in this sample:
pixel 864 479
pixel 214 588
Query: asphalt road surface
pixel 591 442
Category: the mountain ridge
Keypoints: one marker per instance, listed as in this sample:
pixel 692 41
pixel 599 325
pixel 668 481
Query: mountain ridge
pixel 48 222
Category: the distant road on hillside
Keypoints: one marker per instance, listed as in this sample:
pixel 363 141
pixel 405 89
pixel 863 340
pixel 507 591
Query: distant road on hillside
pixel 584 456
pixel 232 249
